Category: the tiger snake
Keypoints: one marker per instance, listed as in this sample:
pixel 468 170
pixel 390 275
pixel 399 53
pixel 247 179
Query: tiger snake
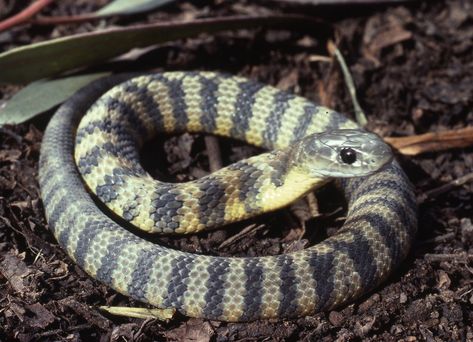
pixel 308 144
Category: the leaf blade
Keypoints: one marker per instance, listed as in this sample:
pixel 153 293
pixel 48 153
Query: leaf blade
pixel 120 7
pixel 40 60
pixel 41 96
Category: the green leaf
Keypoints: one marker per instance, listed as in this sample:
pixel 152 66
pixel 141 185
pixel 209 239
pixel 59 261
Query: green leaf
pixel 42 95
pixel 45 59
pixel 118 7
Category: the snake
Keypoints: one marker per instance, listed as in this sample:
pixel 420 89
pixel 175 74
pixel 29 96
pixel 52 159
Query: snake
pixel 90 152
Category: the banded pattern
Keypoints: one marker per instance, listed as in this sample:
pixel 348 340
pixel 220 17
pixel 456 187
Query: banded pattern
pixel 376 236
pixel 112 131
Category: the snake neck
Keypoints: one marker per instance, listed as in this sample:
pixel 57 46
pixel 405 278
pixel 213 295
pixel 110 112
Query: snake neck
pixel 296 185
pixel 281 181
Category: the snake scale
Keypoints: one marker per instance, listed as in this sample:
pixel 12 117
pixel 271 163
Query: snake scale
pixel 376 236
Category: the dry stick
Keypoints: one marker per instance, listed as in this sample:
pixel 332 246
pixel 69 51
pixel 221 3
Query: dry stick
pixel 24 15
pixel 440 238
pixel 72 19
pixel 432 141
pixel 18 138
pixel 359 114
pixel 313 210
pixel 446 187
pixel 213 152
pixel 241 234
pixel 61 331
pixel 313 205
pixel 464 257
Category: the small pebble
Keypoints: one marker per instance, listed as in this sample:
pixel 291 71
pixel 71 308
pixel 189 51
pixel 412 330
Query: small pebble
pixel 336 318
pixel 402 298
pixel 466 228
pixel 443 280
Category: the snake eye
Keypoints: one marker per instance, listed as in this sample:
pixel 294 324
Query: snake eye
pixel 348 155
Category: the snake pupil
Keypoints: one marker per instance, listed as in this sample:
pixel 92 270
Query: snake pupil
pixel 348 155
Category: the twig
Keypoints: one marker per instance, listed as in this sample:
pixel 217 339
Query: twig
pixel 24 15
pixel 213 152
pixel 359 114
pixel 320 58
pixel 440 238
pixel 139 333
pixel 446 187
pixel 313 204
pixel 464 257
pixel 12 134
pixel 137 312
pixel 61 331
pixel 72 19
pixel 313 209
pixel 240 235
pixel 432 141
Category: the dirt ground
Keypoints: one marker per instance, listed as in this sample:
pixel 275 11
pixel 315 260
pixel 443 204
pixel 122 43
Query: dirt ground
pixel 413 69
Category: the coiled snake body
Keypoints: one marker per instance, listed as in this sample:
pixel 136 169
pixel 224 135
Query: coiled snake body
pixel 377 234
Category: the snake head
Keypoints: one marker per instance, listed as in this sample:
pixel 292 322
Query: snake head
pixel 341 153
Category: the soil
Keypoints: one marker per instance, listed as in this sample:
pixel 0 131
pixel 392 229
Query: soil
pixel 413 68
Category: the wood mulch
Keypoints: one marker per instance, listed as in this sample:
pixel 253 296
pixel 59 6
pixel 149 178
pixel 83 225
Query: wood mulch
pixel 413 69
